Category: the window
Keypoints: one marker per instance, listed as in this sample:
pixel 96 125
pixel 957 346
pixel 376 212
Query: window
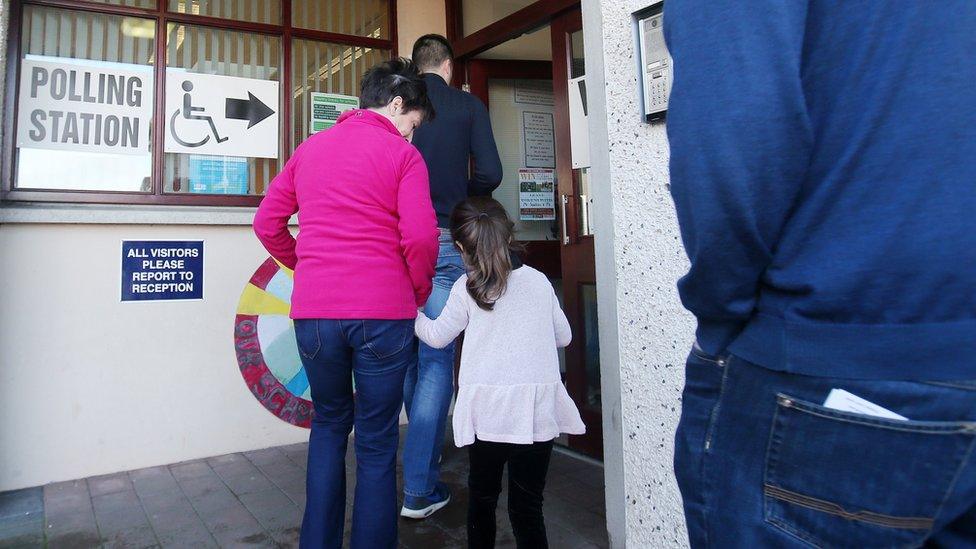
pixel 357 17
pixel 54 42
pixel 147 4
pixel 262 11
pixel 225 53
pixel 320 67
pixel 195 102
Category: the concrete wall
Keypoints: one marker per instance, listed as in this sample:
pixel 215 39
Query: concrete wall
pixel 91 386
pixel 478 14
pixel 645 333
pixel 416 18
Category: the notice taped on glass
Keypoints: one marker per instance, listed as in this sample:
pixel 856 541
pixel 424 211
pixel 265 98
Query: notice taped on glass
pixel 537 197
pixel 218 174
pixel 538 139
pixel 327 108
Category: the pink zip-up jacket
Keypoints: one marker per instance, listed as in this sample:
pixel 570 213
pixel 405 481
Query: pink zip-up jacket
pixel 367 240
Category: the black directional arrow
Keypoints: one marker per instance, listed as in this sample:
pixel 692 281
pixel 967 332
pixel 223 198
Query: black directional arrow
pixel 251 109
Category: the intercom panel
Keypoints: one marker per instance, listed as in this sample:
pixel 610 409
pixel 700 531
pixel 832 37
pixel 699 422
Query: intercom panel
pixel 656 65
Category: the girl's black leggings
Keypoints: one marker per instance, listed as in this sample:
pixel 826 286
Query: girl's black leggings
pixel 528 465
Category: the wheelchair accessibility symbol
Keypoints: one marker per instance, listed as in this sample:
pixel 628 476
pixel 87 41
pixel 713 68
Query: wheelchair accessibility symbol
pixel 206 114
pixel 187 113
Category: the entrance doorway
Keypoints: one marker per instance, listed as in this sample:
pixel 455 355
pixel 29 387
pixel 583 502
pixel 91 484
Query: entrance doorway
pixel 528 99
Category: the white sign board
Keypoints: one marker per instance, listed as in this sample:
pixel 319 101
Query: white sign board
pixel 327 108
pixel 538 139
pixel 537 194
pixel 579 123
pixel 221 115
pixel 97 107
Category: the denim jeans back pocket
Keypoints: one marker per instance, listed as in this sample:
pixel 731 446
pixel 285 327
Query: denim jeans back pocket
pixel 386 338
pixel 836 478
pixel 307 337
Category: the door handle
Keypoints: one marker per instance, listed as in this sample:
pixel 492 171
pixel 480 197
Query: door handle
pixel 585 215
pixel 563 201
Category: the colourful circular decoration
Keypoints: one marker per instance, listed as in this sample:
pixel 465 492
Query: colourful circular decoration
pixel 267 352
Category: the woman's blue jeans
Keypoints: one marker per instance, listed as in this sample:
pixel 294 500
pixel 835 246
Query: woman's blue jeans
pixel 376 353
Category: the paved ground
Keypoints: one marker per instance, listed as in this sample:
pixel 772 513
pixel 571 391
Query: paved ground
pixel 255 499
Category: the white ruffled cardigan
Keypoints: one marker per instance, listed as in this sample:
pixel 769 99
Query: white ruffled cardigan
pixel 509 388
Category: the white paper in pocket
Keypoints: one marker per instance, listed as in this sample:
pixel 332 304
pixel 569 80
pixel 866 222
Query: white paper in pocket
pixel 839 399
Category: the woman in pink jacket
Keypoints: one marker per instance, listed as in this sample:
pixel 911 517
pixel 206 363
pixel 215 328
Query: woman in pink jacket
pixel 363 262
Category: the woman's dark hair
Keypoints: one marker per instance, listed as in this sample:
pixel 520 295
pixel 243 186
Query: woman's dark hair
pixel 396 77
pixel 487 238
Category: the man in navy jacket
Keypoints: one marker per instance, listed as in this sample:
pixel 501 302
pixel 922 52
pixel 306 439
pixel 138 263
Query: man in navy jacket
pixel 823 166
pixel 459 134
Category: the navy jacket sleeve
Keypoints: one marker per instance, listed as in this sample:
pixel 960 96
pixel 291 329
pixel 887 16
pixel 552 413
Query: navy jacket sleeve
pixel 740 143
pixel 487 172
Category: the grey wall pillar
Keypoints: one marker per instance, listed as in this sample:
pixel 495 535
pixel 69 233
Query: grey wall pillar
pixel 4 23
pixel 644 332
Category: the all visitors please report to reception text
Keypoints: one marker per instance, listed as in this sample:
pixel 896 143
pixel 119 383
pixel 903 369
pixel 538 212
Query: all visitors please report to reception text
pixel 158 270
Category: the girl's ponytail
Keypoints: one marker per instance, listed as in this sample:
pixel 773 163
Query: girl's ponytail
pixel 486 236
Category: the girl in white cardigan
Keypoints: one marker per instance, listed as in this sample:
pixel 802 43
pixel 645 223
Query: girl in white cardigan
pixel 511 402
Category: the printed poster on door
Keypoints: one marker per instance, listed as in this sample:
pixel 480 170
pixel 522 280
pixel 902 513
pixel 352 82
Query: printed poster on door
pixel 538 140
pixel 221 115
pixel 87 106
pixel 537 194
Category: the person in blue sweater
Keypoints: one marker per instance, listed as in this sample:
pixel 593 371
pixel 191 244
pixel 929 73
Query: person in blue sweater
pixel 823 167
pixel 459 139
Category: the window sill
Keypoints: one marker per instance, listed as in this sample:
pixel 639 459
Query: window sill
pixel 90 214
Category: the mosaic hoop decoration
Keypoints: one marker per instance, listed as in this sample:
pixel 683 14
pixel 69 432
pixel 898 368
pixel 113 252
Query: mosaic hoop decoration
pixel 267 352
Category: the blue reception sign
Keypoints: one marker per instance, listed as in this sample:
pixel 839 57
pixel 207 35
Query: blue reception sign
pixel 162 270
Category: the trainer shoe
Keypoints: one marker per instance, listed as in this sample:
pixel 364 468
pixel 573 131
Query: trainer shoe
pixel 422 507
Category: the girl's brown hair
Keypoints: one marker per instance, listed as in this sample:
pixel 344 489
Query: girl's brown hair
pixel 487 238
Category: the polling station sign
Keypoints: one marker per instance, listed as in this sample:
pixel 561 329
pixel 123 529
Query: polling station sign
pixel 162 270
pixel 85 106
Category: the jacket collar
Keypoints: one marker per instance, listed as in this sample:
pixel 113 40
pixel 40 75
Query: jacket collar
pixel 433 78
pixel 372 118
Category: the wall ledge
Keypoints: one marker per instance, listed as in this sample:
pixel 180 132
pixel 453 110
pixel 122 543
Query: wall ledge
pixel 89 214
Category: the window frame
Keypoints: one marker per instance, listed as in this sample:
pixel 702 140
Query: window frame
pixel 162 17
